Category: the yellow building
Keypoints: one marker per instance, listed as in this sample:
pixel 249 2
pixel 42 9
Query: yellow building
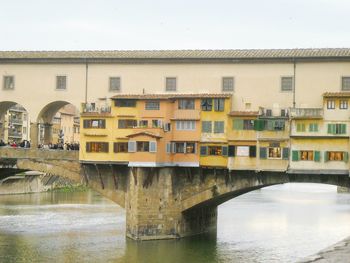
pixel 320 137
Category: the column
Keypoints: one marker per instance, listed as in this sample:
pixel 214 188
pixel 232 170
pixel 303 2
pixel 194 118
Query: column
pixel 47 133
pixel 34 134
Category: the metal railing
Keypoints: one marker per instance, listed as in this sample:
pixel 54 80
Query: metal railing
pixel 306 112
pixel 94 108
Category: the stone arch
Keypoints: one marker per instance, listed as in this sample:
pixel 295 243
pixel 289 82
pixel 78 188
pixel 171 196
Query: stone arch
pixel 223 189
pixel 45 118
pixel 14 122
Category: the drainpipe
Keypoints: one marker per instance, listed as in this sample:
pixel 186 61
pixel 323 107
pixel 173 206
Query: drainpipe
pixel 294 80
pixel 86 79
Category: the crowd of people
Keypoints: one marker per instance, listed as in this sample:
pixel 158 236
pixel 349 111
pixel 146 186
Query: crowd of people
pixel 50 146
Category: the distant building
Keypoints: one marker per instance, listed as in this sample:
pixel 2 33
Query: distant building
pixel 14 125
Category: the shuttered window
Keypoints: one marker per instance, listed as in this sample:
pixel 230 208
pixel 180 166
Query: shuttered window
pixel 287 84
pixel 204 150
pixel 219 104
pixel 131 146
pixel 114 84
pixel 94 124
pixel 263 152
pixel 300 127
pixel 337 128
pixel 259 125
pixel 153 147
pixel 313 127
pixel 238 124
pixel 185 125
pixel 227 84
pixel 127 123
pixel 207 104
pixel 120 147
pixel 168 148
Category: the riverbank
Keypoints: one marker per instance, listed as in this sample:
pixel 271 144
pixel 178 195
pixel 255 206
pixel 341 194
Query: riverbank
pixel 339 252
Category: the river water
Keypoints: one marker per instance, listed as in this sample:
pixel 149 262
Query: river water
pixel 276 224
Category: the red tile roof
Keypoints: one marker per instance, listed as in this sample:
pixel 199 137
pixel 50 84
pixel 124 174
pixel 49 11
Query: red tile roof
pixel 170 96
pixel 336 94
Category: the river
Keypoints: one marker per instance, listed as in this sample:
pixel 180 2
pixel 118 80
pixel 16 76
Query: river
pixel 276 224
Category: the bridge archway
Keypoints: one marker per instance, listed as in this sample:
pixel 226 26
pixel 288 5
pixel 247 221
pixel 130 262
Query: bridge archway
pixel 14 122
pixel 52 120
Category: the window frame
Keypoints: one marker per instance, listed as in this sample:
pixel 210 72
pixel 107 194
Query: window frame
pixel 116 147
pixel 186 104
pixel 150 102
pixel 343 104
pixel 284 78
pixel 66 82
pixel 343 80
pixel 180 125
pixel 227 78
pixel 4 82
pixel 166 84
pixel 273 147
pixel 111 78
pixel 330 104
pixel 209 106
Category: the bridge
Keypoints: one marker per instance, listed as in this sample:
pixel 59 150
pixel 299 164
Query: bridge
pixel 160 203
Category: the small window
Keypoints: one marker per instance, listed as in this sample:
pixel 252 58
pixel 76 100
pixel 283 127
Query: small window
pixel 152 105
pixel 275 153
pixel 186 104
pixel 157 124
pixel 125 103
pixel 242 151
pixel 97 147
pixel 215 150
pixel 114 84
pixel 142 146
pixel 127 123
pixel 219 104
pixel 206 127
pixel 306 155
pixel 343 104
pixel 345 83
pixel 227 84
pixel 61 82
pixel 330 104
pixel 287 84
pixel 248 124
pixel 120 147
pixel 94 124
pixel 336 156
pixel 9 83
pixel 185 125
pixel 143 123
pixel 219 126
pixel 170 84
pixel 207 104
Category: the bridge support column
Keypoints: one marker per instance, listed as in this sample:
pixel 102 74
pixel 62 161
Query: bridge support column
pixel 153 207
pixel 34 134
pixel 47 133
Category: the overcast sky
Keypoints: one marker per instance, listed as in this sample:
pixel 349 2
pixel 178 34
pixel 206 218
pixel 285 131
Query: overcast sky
pixel 176 24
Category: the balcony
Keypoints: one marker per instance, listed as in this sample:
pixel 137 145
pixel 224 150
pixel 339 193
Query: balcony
pixel 306 113
pixel 89 109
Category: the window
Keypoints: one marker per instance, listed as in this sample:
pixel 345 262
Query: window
pixel 306 155
pixel 242 151
pixel 120 147
pixel 114 84
pixel 142 146
pixel 215 150
pixel 185 125
pixel 143 123
pixel 337 128
pixel 186 104
pixel 125 103
pixel 167 126
pixel 94 124
pixel 248 124
pixel 275 125
pixel 227 84
pixel 170 84
pixel 127 124
pixel 313 127
pixel 330 104
pixel 157 124
pixel 219 126
pixel 206 127
pixel 287 84
pixel 343 104
pixel 184 147
pixel 9 82
pixel 152 105
pixel 97 147
pixel 345 83
pixel 274 153
pixel 61 82
pixel 207 104
pixel 219 104
pixel 336 156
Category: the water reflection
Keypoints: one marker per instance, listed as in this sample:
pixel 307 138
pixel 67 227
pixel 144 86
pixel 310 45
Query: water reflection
pixel 276 224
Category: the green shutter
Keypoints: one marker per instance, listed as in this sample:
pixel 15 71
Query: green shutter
pixel 285 153
pixel 295 156
pixel 298 127
pixel 270 125
pixel 231 151
pixel 343 128
pixel 326 156
pixel 316 127
pixel 346 157
pixel 263 152
pixel 238 124
pixel 303 127
pixel 224 150
pixel 259 125
pixel 311 127
pixel 331 128
pixel 204 150
pixel 317 156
